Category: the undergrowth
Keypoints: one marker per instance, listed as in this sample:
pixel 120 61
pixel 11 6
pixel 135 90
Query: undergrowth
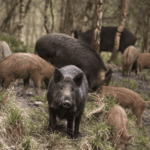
pixel 14 44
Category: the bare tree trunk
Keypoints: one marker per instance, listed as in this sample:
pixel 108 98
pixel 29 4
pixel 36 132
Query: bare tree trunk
pixel 33 28
pixel 68 23
pixel 86 18
pixel 120 9
pixel 20 26
pixel 9 16
pixel 137 29
pixel 118 33
pixel 96 36
pixel 24 13
pixel 145 34
pixel 45 17
pixel 27 31
pixel 51 9
pixel 61 16
pixel 27 8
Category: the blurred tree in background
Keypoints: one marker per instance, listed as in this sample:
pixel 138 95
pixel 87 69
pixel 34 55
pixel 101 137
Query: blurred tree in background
pixel 66 15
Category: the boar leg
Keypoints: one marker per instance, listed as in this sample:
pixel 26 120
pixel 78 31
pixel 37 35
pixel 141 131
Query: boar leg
pixel 138 114
pixel 6 83
pixel 46 83
pixel 52 120
pixel 130 69
pixel 77 123
pixel 137 69
pixel 70 126
pixel 26 85
pixel 37 84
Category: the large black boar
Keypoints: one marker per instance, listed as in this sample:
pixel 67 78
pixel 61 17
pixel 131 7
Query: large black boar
pixel 62 50
pixel 67 93
pixel 107 37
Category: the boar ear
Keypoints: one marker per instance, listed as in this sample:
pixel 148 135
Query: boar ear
pixel 58 76
pixel 78 79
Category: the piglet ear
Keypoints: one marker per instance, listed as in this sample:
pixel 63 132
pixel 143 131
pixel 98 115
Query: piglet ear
pixel 58 76
pixel 78 79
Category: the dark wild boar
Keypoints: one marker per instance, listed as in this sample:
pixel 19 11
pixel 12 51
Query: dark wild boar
pixel 25 66
pixel 126 98
pixel 107 37
pixel 144 61
pixel 62 50
pixel 117 118
pixel 67 93
pixel 129 57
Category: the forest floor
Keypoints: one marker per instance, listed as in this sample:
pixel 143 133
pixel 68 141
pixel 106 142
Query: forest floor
pixel 138 83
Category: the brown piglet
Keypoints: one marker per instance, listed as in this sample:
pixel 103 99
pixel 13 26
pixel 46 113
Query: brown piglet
pixel 25 66
pixel 144 61
pixel 126 98
pixel 129 57
pixel 117 118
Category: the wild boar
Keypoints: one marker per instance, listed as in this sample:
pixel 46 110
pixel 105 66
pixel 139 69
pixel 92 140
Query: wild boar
pixel 129 57
pixel 61 50
pixel 107 37
pixel 126 98
pixel 67 93
pixel 144 61
pixel 117 118
pixel 25 66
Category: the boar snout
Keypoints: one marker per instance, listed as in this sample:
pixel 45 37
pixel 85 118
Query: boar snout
pixel 66 104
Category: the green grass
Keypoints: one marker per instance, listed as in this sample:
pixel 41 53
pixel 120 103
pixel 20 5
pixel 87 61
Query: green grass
pixel 127 83
pixel 14 44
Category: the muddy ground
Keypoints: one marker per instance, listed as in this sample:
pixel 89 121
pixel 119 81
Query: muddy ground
pixel 25 101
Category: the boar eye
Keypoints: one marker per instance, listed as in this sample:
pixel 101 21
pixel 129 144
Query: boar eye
pixel 72 89
pixel 61 87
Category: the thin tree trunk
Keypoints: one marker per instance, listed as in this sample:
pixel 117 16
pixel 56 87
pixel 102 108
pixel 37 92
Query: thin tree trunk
pixel 9 16
pixel 96 36
pixel 147 33
pixel 20 26
pixel 61 17
pixel 27 8
pixel 68 23
pixel 33 29
pixel 51 9
pixel 27 31
pixel 137 28
pixel 118 33
pixel 86 18
pixel 45 17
